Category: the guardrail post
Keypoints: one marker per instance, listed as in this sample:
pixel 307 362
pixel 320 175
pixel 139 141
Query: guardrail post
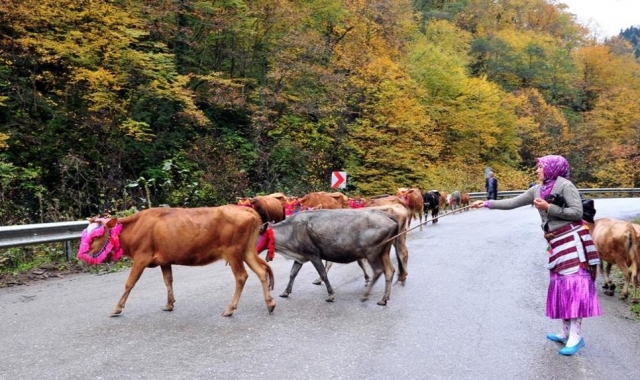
pixel 67 250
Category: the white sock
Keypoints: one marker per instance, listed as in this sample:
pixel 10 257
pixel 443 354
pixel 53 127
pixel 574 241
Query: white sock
pixel 575 333
pixel 564 333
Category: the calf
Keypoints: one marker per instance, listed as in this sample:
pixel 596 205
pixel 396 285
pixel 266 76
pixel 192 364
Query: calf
pixel 617 243
pixel 340 236
pixel 181 236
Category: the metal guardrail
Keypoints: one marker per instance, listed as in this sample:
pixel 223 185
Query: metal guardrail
pixel 30 234
pixel 513 193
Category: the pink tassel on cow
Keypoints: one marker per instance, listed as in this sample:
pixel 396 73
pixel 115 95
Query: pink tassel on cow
pixel 111 245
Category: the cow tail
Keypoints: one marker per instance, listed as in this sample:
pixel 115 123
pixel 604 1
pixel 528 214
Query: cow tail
pixel 630 248
pixel 267 267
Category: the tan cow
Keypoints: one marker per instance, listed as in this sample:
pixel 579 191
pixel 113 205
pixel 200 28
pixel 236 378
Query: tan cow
pixel 617 243
pixel 324 200
pixel 269 208
pixel 181 236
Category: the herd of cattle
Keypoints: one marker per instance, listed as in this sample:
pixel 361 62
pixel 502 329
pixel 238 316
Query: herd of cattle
pixel 367 230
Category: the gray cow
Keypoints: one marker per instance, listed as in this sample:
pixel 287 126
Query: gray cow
pixel 341 236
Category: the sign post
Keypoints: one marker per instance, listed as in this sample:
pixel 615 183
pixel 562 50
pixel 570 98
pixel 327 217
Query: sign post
pixel 338 180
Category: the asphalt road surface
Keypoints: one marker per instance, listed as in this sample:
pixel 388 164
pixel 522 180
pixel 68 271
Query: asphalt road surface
pixel 472 308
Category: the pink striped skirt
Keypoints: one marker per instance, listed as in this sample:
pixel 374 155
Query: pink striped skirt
pixel 572 296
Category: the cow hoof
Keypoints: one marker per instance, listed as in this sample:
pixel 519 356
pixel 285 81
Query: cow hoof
pixel 271 308
pixel 167 308
pixel 284 295
pixel 382 303
pixel 608 292
pixel 635 302
pixel 227 313
pixel 331 298
pixel 115 313
pixel 317 282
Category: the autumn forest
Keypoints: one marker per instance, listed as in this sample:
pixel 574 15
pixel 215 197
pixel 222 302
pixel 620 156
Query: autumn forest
pixel 111 105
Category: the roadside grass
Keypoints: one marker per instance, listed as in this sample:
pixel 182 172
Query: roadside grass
pixel 23 265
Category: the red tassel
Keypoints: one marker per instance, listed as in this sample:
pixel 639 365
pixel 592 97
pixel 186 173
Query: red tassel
pixel 267 240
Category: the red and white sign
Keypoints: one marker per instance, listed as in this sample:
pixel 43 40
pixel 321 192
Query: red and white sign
pixel 338 180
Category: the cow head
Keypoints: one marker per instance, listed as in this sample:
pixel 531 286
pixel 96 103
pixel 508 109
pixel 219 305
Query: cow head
pixel 99 239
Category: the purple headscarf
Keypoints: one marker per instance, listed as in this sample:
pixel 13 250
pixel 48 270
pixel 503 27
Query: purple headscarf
pixel 552 167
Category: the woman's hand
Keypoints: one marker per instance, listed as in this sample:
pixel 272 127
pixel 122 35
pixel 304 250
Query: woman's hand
pixel 541 204
pixel 477 204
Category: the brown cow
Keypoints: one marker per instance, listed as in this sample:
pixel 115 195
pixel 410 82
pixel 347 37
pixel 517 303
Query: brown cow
pixel 166 236
pixel 617 243
pixel 269 208
pixel 324 200
pixel 444 200
pixel 464 200
pixel 413 202
pixel 282 197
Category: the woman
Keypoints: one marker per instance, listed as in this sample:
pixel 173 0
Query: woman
pixel 572 292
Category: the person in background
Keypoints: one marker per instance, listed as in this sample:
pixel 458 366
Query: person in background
pixel 492 186
pixel 571 295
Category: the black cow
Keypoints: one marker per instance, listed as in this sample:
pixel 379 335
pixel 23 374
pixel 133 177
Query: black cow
pixel 432 202
pixel 341 236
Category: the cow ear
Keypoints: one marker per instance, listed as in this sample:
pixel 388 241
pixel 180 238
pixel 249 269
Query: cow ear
pixel 112 222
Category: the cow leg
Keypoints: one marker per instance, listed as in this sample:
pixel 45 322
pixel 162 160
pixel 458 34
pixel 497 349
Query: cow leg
pixel 434 214
pixel 241 275
pixel 634 278
pixel 366 275
pixel 403 258
pixel 167 275
pixel 134 275
pixel 388 276
pixel 317 263
pixel 377 267
pixel 292 276
pixel 263 271
pixel 626 274
pixel 607 284
pixel 327 266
